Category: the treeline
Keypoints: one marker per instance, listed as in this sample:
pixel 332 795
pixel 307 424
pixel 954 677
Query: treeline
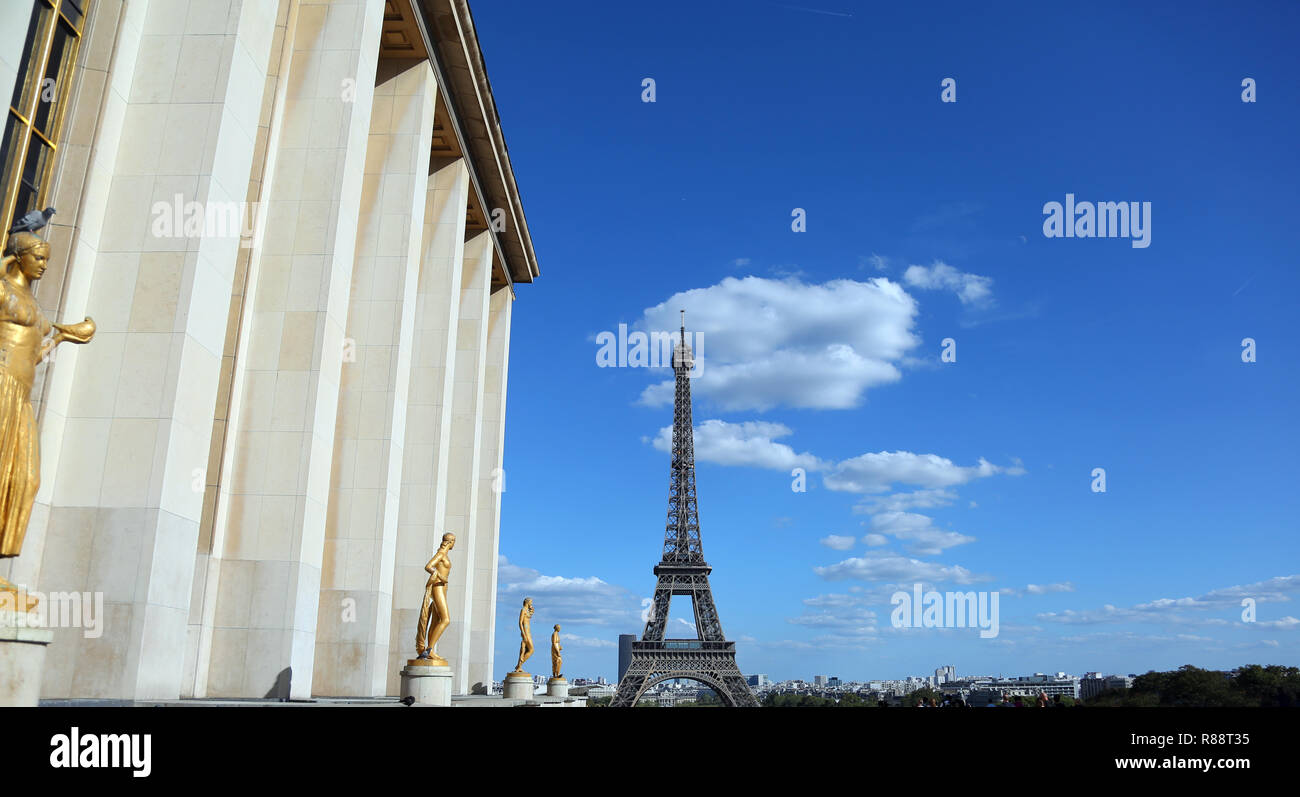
pixel 1253 685
pixel 849 700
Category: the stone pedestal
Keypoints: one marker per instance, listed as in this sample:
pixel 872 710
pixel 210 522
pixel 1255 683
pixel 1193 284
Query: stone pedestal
pixel 22 658
pixel 557 687
pixel 429 684
pixel 519 686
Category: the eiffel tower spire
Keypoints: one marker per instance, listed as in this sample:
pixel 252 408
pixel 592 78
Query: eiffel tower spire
pixel 708 658
pixel 682 535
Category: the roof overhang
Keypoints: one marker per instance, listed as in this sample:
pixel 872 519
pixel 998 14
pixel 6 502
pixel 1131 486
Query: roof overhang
pixel 443 30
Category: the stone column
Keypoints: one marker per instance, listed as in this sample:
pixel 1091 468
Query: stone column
pixel 429 410
pixel 353 623
pixel 269 528
pixel 128 418
pixel 463 473
pixel 492 483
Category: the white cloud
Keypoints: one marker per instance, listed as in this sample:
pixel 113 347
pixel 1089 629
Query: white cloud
pixel 1043 589
pixel 1131 636
pixel 918 531
pixel 1038 589
pixel 875 540
pixel 581 601
pixel 1181 610
pixel 901 502
pixel 749 444
pixel 768 343
pixel 837 542
pixel 887 566
pixel 586 641
pixel 753 444
pixel 740 262
pixel 1287 622
pixel 875 473
pixel 845 619
pixel 971 289
pixel 878 262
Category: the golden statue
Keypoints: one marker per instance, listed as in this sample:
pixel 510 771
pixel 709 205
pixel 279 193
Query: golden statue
pixel 434 617
pixel 556 661
pixel 23 344
pixel 526 634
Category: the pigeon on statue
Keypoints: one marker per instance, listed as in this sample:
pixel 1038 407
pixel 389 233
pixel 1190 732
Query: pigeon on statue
pixel 33 221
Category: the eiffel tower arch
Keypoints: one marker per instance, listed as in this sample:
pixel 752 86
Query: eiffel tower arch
pixel 709 658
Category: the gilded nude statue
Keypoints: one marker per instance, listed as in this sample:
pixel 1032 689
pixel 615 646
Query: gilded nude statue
pixel 434 616
pixel 525 634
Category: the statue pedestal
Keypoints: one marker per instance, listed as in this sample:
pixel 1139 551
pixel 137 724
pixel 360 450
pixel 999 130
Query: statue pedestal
pixel 519 686
pixel 429 684
pixel 22 658
pixel 557 687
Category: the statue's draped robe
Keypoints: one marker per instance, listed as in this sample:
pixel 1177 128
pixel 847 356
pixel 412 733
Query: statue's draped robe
pixel 22 327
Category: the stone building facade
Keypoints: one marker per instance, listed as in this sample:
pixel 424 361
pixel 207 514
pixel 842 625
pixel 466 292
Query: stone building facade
pixel 296 225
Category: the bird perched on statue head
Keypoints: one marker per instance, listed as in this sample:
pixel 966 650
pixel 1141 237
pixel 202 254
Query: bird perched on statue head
pixel 33 221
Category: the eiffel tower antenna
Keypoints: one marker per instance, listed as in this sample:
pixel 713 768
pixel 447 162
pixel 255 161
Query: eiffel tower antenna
pixel 709 658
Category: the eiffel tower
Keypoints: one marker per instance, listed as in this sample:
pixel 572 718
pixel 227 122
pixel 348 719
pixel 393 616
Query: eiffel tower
pixel 709 658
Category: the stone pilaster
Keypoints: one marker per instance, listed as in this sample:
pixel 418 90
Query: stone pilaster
pixel 429 409
pixel 269 529
pixel 465 453
pixel 353 622
pixel 491 484
pixel 127 420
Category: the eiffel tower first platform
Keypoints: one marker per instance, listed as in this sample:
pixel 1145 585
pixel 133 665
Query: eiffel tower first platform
pixel 709 658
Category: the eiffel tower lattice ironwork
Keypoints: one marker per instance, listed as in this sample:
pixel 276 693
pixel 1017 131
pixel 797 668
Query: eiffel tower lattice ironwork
pixel 709 658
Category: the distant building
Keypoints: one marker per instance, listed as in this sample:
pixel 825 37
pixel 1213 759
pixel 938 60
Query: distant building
pixel 624 653
pixel 819 680
pixel 834 680
pixel 759 680
pixel 1094 684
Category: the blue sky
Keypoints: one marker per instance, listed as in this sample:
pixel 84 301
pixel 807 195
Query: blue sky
pixel 821 349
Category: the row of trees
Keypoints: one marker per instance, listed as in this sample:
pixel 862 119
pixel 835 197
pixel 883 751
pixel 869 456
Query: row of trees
pixel 1267 686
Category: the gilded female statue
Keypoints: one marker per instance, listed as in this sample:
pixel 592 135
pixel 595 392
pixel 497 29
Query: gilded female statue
pixel 434 616
pixel 23 344
pixel 525 634
pixel 557 662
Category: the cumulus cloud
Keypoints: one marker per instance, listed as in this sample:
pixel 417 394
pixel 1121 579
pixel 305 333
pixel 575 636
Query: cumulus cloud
pixel 876 473
pixel 844 619
pixel 1038 589
pixel 837 542
pixel 749 443
pixel 1130 636
pixel 875 540
pixel 1043 589
pixel 586 641
pixel 918 531
pixel 887 566
pixel 753 444
pixel 971 289
pixel 1183 610
pixel 766 343
pixel 901 502
pixel 1288 622
pixel 581 601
